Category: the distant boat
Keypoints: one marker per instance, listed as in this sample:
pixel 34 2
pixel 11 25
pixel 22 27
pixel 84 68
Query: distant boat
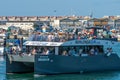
pixel 2 37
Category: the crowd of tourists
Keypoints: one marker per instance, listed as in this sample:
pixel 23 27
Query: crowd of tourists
pixel 62 36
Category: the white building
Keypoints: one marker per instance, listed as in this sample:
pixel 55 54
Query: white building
pixel 21 24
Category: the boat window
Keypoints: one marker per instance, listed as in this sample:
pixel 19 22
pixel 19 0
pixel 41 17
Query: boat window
pixel 41 50
pixel 80 50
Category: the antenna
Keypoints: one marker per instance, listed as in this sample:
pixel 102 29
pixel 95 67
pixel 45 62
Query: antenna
pixel 91 14
pixel 72 12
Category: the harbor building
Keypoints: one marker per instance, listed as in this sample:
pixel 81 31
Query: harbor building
pixel 28 22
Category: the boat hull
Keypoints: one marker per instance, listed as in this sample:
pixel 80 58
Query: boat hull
pixel 57 64
pixel 17 64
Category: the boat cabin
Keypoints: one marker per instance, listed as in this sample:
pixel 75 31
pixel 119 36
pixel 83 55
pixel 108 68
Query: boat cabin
pixel 69 48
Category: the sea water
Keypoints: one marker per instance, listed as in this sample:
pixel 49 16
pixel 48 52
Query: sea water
pixel 85 76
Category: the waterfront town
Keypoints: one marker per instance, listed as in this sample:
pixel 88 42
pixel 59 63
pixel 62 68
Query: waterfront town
pixel 25 25
pixel 27 22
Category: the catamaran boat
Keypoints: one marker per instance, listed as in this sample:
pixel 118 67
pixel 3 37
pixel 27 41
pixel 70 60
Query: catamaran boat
pixel 76 56
pixel 55 58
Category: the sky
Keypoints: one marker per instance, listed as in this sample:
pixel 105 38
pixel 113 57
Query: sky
pixel 98 8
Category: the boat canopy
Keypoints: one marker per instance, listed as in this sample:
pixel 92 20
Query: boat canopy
pixel 82 42
pixel 67 43
pixel 38 43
